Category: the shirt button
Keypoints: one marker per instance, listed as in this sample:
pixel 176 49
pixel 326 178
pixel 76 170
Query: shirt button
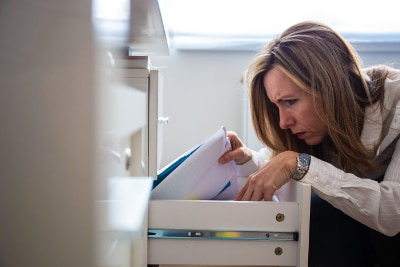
pixel 316 179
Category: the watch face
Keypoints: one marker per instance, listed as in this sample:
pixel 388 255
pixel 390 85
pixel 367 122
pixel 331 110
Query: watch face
pixel 303 162
pixel 304 159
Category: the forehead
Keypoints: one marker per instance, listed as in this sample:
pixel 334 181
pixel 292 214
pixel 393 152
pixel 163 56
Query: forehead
pixel 279 86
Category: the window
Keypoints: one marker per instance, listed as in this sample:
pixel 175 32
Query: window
pixel 248 24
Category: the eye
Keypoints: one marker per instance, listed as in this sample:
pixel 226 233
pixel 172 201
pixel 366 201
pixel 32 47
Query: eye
pixel 290 102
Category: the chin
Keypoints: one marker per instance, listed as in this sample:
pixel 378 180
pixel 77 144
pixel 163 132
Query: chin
pixel 313 142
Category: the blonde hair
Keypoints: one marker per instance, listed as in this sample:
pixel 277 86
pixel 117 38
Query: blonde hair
pixel 322 63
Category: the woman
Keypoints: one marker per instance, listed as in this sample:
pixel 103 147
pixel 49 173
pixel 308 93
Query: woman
pixel 329 123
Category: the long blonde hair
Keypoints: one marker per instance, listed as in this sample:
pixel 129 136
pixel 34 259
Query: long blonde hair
pixel 323 63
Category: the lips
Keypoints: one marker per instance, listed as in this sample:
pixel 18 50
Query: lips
pixel 300 135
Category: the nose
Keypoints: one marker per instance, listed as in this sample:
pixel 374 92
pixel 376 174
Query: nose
pixel 286 120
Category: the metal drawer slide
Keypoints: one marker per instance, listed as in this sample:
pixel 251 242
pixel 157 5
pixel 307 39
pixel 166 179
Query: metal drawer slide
pixel 222 235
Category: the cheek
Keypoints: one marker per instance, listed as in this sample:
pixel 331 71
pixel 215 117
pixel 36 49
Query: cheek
pixel 317 125
pixel 309 117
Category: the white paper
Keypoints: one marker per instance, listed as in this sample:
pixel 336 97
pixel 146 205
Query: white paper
pixel 201 176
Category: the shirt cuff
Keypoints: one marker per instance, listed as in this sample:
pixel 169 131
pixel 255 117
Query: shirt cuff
pixel 258 159
pixel 323 177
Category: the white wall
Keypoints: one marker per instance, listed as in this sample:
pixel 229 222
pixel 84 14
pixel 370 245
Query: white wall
pixel 202 91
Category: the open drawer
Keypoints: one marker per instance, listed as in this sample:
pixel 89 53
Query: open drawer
pixel 231 232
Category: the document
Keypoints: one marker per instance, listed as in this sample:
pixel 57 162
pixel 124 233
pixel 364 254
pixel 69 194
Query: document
pixel 197 175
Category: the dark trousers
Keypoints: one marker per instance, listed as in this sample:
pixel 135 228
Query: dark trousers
pixel 338 240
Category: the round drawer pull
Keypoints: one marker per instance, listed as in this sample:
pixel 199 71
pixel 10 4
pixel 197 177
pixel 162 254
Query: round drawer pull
pixel 280 217
pixel 278 251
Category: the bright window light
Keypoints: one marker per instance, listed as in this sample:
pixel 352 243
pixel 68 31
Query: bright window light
pixel 247 23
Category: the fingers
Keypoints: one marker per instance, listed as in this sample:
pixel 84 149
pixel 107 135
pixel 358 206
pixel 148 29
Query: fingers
pixel 239 152
pixel 272 176
pixel 235 140
pixel 268 197
pixel 240 155
pixel 232 135
pixel 225 158
pixel 239 196
pixel 257 187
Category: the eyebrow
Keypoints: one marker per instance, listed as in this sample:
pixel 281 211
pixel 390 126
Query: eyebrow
pixel 285 98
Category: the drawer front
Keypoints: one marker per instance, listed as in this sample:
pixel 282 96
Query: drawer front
pixel 223 215
pixel 121 130
pixel 220 252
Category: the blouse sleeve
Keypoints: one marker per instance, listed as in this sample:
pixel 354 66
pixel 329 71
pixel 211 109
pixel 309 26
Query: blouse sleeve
pixel 374 204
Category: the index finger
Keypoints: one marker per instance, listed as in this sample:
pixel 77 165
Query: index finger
pixel 239 195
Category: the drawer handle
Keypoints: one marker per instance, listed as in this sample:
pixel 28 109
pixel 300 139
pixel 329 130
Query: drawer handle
pixel 280 217
pixel 163 120
pixel 128 158
pixel 278 251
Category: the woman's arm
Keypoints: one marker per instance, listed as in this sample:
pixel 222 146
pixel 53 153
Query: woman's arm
pixel 374 204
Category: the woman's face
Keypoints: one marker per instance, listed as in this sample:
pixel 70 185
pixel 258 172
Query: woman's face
pixel 296 109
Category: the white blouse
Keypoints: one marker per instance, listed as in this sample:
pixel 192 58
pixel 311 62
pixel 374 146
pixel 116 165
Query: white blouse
pixel 375 204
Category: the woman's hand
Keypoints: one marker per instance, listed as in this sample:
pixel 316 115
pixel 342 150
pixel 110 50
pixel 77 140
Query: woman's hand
pixel 262 184
pixel 239 153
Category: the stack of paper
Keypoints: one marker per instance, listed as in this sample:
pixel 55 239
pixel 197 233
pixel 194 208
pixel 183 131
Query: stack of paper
pixel 197 173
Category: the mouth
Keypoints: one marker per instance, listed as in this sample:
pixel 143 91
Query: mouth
pixel 300 135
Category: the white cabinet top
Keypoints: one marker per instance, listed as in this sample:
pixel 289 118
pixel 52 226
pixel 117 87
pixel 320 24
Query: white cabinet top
pixel 133 25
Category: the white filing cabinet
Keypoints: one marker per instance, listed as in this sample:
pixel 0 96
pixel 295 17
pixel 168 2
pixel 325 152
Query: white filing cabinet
pixel 231 232
pixel 128 132
pixel 129 161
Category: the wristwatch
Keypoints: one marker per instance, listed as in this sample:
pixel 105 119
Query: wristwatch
pixel 303 163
